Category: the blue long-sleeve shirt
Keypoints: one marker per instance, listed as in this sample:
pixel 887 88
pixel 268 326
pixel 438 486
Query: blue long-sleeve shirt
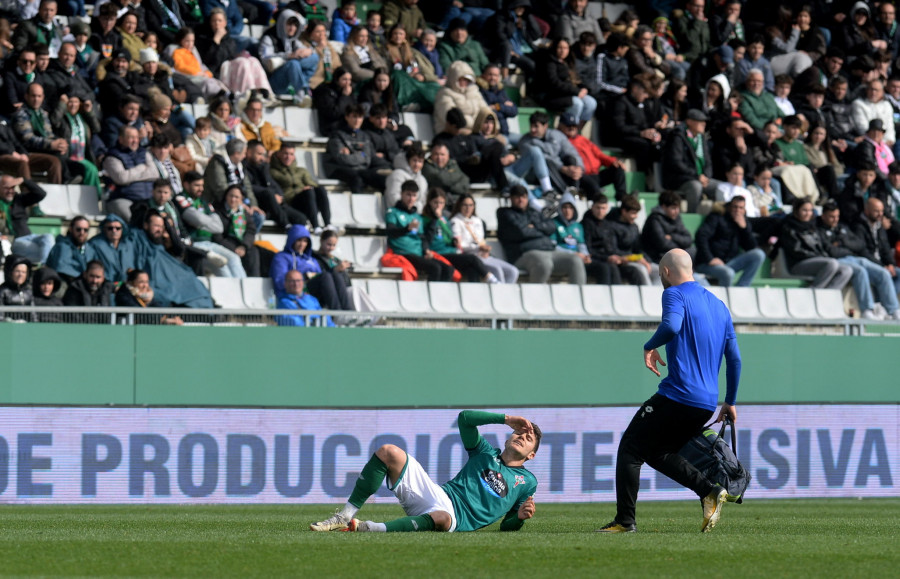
pixel 697 331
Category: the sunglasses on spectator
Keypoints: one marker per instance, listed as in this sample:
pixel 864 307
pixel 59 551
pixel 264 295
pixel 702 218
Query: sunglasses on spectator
pixel 23 61
pixel 80 229
pixel 113 228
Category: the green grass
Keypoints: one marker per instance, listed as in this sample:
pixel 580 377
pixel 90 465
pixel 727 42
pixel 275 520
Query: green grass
pixel 788 538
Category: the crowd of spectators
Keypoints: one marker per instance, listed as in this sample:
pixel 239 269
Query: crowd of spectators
pixel 771 120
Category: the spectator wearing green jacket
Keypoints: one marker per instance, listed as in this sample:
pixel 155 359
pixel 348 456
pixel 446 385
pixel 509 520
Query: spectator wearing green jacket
pixel 691 31
pixel 457 45
pixel 758 106
pixel 442 171
pixel 405 232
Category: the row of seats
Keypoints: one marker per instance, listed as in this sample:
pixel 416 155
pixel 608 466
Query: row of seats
pixel 67 201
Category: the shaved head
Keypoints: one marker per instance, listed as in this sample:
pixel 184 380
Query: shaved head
pixel 676 268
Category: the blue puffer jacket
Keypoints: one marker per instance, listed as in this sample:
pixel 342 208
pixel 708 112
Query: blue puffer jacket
pixel 288 259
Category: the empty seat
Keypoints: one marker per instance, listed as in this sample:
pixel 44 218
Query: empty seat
pixel 421 124
pixel 368 252
pixel 537 300
pixel 384 295
pixel 226 291
pixel 567 299
pixel 83 200
pixel 496 249
pixel 780 268
pixel 772 303
pixel 344 249
pixel 204 281
pixel 302 125
pixel 486 208
pixel 720 292
pixel 276 239
pixel 626 300
pixel 801 303
pixel 506 299
pixel 367 210
pixel 476 298
pixel 445 297
pixel 414 296
pixel 56 203
pixel 200 110
pixel 360 284
pixel 830 304
pixel 340 209
pixel 320 174
pixel 257 291
pixel 275 116
pixel 597 300
pixel 743 303
pixel 651 300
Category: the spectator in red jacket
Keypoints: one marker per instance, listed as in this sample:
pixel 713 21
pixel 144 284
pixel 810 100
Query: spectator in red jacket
pixel 594 160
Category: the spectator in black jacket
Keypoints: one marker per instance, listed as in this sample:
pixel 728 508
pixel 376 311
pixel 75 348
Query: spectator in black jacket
pixel 859 187
pixel 16 289
pixel 331 100
pixel 513 20
pixel 627 250
pixel 350 155
pixel 526 238
pixel 632 129
pixel 16 196
pixel 664 230
pixel 376 125
pixel 16 81
pixel 687 165
pixel 806 252
pixel 17 161
pixel 872 226
pixel 481 159
pixel 599 236
pixel 265 187
pixel 559 90
pixel 91 289
pixel 720 241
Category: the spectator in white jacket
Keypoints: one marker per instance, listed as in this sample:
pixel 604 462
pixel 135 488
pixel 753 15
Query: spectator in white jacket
pixel 468 231
pixel 407 167
pixel 874 106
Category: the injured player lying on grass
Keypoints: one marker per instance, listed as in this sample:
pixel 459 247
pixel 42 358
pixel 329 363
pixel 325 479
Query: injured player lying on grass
pixel 491 485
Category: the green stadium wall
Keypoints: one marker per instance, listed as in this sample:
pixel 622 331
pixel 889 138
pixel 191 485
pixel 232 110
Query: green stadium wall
pixel 366 368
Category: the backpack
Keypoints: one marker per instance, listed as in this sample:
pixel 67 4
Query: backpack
pixel 712 456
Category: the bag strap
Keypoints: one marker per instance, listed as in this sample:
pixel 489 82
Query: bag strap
pixel 728 422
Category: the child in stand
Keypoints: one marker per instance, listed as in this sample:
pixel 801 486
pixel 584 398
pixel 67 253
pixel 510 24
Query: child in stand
pixel 186 60
pixel 344 20
pixel 200 144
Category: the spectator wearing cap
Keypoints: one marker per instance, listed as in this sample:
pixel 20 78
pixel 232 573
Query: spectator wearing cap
pixel 42 29
pixel 758 107
pixel 115 85
pixel 575 20
pixel 874 106
pixel 754 58
pixel 600 169
pixel 459 92
pixel 457 45
pixel 691 31
pixel 130 173
pixel 874 151
pixel 527 239
pixel 719 62
pixel 687 163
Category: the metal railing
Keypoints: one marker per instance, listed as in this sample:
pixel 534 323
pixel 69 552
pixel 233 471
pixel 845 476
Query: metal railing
pixel 267 317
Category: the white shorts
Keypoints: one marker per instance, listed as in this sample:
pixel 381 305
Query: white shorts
pixel 418 494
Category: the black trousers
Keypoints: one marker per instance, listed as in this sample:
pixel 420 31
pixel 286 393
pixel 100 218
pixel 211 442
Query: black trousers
pixel 592 184
pixel 357 179
pixel 435 270
pixel 603 272
pixel 656 434
pixel 469 265
pixel 331 291
pixel 311 203
pixel 282 215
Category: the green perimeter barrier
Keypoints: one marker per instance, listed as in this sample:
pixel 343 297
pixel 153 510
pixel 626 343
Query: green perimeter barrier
pixel 353 367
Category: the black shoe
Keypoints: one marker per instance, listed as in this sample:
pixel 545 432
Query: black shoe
pixel 616 527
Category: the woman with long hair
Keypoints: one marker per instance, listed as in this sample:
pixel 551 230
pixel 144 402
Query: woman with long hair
pixel 806 253
pixel 439 238
pixel 415 81
pixel 316 37
pixel 239 71
pixel 564 91
pixel 360 56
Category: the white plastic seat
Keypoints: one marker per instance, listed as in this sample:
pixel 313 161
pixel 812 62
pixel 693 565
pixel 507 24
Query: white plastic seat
pixel 626 300
pixel 226 291
pixel 567 299
pixel 360 284
pixel 367 210
pixel 204 281
pixel 445 297
pixel 275 116
pixel 537 300
pixel 256 292
pixel 496 249
pixel 414 297
pixel 56 203
pixel 200 110
pixel 384 295
pixel 801 303
pixel 83 200
pixel 302 125
pixel 651 300
pixel 743 303
pixel 772 303
pixel 487 211
pixel 344 249
pixel 340 209
pixel 506 299
pixel 830 304
pixel 597 300
pixel 367 252
pixel 720 292
pixel 421 124
pixel 276 239
pixel 476 298
pixel 320 175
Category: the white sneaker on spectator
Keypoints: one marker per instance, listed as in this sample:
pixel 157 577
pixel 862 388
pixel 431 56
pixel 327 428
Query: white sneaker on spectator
pixel 895 316
pixel 215 260
pixel 869 315
pixel 317 230
pixel 336 229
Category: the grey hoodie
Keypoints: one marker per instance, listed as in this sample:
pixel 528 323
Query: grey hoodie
pixel 276 43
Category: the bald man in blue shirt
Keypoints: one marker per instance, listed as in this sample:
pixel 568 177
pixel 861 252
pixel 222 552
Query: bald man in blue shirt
pixel 697 331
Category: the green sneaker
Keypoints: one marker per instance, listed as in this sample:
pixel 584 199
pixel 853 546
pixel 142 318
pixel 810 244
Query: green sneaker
pixel 712 508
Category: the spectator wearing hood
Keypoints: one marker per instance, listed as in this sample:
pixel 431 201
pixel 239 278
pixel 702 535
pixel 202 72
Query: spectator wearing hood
pixel 91 289
pixel 45 283
pixel 490 83
pixel 295 298
pixel 574 21
pixel 114 248
pixel 16 196
pixel 459 92
pixel 714 103
pixel 71 253
pixel 569 236
pixel 16 287
pixel 290 63
pixel 719 63
pixel 329 289
pixel 856 35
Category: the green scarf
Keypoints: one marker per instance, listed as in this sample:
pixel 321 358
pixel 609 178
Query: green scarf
pixel 6 213
pixel 37 122
pixel 700 161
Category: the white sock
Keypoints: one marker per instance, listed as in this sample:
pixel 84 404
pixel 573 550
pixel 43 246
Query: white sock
pixel 546 185
pixel 377 527
pixel 491 278
pixel 348 511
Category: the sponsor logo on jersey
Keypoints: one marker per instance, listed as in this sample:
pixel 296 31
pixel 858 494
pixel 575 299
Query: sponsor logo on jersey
pixel 494 483
pixel 520 480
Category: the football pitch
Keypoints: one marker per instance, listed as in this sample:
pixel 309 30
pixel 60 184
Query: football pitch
pixel 785 538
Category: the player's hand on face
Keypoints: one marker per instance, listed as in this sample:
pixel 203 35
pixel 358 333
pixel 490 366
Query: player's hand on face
pixel 651 357
pixel 519 424
pixel 526 509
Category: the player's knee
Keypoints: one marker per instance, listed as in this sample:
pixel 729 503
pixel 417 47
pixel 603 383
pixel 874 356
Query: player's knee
pixel 390 453
pixel 442 521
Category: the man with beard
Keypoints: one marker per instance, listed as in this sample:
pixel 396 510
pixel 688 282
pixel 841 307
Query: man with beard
pixel 91 289
pixel 70 254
